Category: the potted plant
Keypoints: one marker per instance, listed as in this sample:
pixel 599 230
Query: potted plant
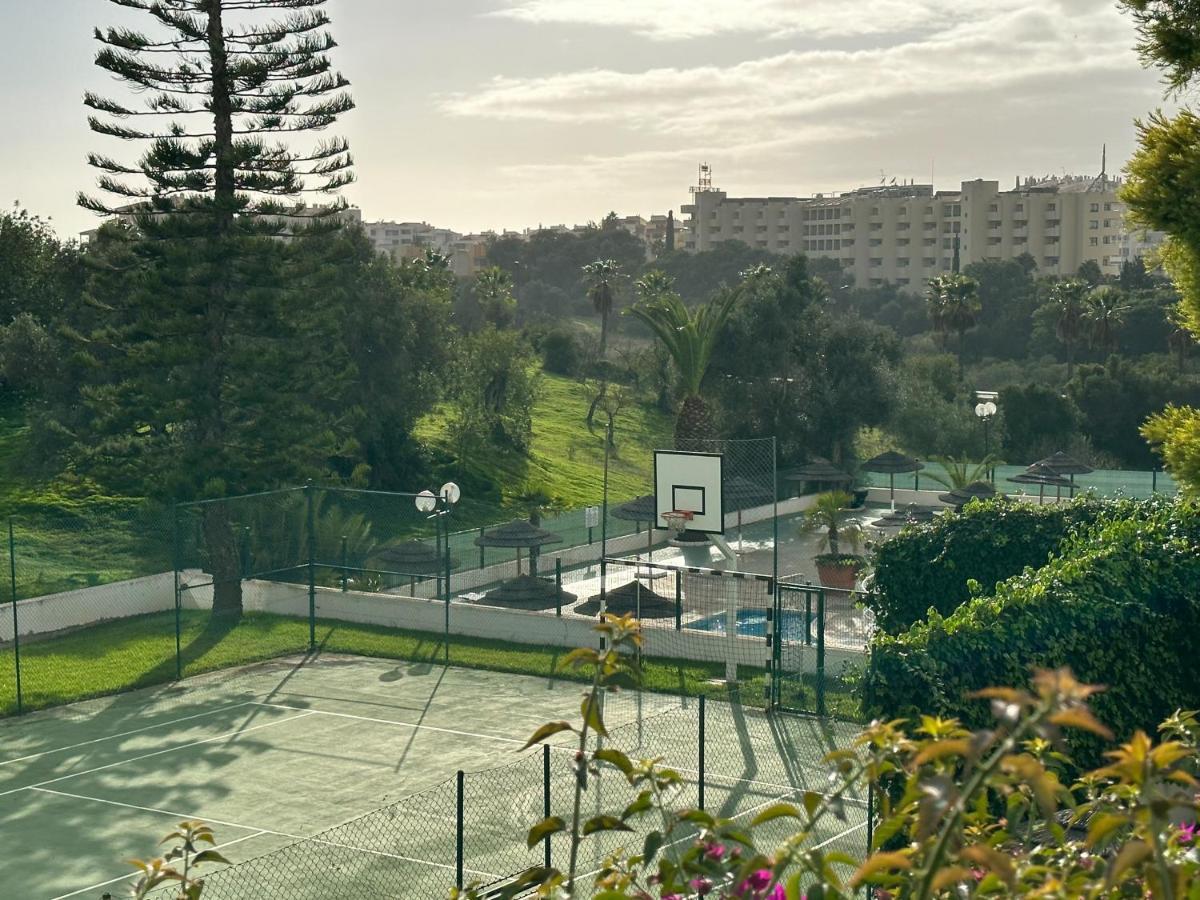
pixel 829 517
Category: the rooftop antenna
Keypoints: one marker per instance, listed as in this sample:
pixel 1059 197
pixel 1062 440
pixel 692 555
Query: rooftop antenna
pixel 704 182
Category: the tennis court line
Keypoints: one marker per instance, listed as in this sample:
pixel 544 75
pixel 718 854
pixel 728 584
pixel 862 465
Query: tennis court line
pixel 261 831
pixel 211 712
pixel 122 762
pixel 101 884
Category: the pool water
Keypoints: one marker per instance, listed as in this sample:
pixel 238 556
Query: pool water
pixel 753 623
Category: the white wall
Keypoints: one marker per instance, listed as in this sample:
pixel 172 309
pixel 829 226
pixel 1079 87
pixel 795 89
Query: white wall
pixel 86 606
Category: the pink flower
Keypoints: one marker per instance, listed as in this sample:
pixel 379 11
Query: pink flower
pixel 715 852
pixel 1187 833
pixel 701 885
pixel 758 887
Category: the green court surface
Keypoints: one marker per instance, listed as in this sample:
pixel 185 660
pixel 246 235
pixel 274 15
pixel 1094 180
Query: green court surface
pixel 362 754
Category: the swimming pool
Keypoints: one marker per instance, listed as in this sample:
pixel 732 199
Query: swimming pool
pixel 753 623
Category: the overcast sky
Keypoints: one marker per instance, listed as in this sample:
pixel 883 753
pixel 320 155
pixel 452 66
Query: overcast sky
pixel 477 114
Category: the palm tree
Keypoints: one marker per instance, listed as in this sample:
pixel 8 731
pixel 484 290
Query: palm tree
pixel 601 277
pixel 829 516
pixel 689 337
pixel 1104 316
pixel 493 290
pixel 1070 301
pixel 960 472
pixel 953 303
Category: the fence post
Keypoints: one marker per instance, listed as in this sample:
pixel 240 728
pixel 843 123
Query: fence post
pixel 700 786
pixel 808 617
pixel 12 575
pixel 678 600
pixel 558 586
pixel 344 561
pixel 482 550
pixel 244 553
pixel 310 514
pixel 1154 480
pixel 546 794
pixel 177 557
pixel 821 653
pixel 458 844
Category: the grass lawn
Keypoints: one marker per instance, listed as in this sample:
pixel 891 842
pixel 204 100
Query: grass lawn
pixel 140 651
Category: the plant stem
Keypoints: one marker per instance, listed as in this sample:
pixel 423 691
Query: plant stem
pixel 580 776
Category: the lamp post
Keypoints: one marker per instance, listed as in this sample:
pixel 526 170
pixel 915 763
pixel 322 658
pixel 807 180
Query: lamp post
pixel 437 507
pixel 985 409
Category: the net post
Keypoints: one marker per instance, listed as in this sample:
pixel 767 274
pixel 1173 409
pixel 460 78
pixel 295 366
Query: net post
pixel 558 586
pixel 310 517
pixel 678 600
pixel 821 653
pixel 344 561
pixel 458 831
pixel 12 580
pixel 244 552
pixel 603 595
pixel 546 794
pixel 700 786
pixel 482 561
pixel 177 564
pixel 808 616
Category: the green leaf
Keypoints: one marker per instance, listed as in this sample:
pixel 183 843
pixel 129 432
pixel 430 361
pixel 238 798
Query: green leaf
pixel 776 811
pixel 651 846
pixel 590 709
pixel 543 829
pixel 603 823
pixel 614 757
pixel 205 856
pixel 547 730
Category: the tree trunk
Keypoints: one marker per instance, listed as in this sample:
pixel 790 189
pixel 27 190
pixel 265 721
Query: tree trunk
pixel 224 561
pixel 1070 359
pixel 603 333
pixel 694 425
pixel 961 339
pixel 596 401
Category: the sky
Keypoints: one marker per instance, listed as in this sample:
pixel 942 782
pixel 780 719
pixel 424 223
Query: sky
pixel 493 114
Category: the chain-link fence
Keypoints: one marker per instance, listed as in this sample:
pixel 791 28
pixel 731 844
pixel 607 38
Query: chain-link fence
pixel 1101 482
pixel 472 828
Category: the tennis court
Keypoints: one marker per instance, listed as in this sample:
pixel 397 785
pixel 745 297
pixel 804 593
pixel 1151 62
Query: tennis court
pixel 339 773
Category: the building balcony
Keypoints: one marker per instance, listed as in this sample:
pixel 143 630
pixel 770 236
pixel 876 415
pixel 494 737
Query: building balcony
pixel 687 209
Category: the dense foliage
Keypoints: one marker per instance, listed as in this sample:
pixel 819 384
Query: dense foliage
pixel 940 566
pixel 1116 604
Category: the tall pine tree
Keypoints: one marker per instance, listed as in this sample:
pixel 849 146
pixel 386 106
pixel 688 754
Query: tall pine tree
pixel 215 369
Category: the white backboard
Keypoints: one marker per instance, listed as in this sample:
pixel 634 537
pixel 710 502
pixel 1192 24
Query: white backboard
pixel 692 482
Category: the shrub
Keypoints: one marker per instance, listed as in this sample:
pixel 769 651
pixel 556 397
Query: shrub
pixel 1119 605
pixel 936 566
pixel 561 353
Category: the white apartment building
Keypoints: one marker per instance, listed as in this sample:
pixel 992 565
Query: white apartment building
pixel 409 240
pixel 905 234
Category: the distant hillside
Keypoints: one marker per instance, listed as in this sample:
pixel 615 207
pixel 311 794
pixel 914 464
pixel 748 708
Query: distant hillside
pixel 566 461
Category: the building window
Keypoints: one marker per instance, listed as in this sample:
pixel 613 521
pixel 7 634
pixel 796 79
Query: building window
pixel 929 210
pixel 993 240
pixel 928 262
pixel 901 242
pixel 902 261
pixel 1020 207
pixel 874 210
pixel 876 262
pixel 993 207
pixel 1095 207
pixel 1093 241
pixel 1051 207
pixel 1108 223
pixel 930 226
pixel 1107 239
pixel 1093 224
pixel 1108 207
pixel 876 226
pixel 875 242
pixel 929 242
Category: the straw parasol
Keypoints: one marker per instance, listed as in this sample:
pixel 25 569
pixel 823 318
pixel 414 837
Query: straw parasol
pixel 1061 464
pixel 820 471
pixel 1041 476
pixel 517 536
pixel 413 558
pixel 976 490
pixel 528 592
pixel 910 515
pixel 633 598
pixel 891 463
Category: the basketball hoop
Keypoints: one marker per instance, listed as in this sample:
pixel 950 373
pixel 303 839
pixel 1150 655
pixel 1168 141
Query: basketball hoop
pixel 677 520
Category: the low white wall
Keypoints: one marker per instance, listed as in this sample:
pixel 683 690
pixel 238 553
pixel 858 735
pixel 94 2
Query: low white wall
pixel 86 606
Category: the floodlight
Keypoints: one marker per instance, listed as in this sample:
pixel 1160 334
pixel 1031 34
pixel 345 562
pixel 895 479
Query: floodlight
pixel 450 492
pixel 426 501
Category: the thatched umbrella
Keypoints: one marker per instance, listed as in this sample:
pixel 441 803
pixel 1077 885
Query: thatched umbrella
pixel 639 509
pixel 890 463
pixel 1041 476
pixel 1061 464
pixel 910 515
pixel 820 471
pixel 632 598
pixel 518 535
pixel 528 592
pixel 976 490
pixel 413 558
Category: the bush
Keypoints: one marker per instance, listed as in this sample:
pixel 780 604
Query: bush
pixel 561 353
pixel 936 566
pixel 1119 605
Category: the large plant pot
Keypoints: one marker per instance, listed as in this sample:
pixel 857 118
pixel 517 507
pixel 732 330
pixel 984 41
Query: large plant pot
pixel 840 574
pixel 695 549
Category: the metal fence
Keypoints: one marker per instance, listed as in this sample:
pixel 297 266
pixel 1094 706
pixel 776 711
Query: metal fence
pixel 471 828
pixel 1102 482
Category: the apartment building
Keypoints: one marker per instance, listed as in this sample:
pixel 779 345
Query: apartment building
pixel 907 233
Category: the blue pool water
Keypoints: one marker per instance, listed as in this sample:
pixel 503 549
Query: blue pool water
pixel 753 623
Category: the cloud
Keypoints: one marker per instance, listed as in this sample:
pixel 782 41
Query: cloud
pixel 671 20
pixel 1028 50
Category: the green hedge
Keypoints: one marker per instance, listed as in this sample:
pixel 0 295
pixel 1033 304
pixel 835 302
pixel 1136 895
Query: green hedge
pixel 931 567
pixel 1120 606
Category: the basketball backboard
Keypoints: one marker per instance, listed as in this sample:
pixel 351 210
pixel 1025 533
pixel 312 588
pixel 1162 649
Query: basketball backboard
pixel 691 482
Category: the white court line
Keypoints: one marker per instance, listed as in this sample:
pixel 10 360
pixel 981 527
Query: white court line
pixel 101 884
pixel 219 737
pixel 109 737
